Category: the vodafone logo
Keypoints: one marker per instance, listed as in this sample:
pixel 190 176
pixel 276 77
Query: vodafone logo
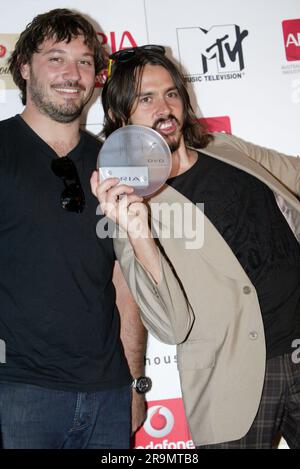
pixel 165 427
pixel 160 421
pixel 2 51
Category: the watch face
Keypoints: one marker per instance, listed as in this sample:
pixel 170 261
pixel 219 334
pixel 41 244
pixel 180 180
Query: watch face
pixel 143 385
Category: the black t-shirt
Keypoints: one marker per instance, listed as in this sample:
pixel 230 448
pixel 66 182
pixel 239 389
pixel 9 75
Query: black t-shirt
pixel 245 212
pixel 58 316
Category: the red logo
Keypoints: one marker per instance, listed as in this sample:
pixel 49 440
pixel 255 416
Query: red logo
pixel 217 124
pixel 101 78
pixel 160 421
pixel 114 42
pixel 2 51
pixel 165 426
pixel 117 42
pixel 291 34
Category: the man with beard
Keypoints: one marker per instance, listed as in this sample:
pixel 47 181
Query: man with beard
pixel 65 382
pixel 239 373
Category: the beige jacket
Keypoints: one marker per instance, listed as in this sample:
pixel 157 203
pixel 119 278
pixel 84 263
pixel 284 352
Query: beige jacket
pixel 218 331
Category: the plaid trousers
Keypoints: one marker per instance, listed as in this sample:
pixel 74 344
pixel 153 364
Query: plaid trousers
pixel 279 409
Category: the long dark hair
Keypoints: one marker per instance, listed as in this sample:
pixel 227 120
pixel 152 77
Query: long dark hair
pixel 121 88
pixel 62 25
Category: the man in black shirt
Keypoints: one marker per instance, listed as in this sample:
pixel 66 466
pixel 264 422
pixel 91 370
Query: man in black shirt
pixel 244 281
pixel 65 382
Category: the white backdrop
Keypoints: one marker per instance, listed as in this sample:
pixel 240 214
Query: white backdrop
pixel 241 69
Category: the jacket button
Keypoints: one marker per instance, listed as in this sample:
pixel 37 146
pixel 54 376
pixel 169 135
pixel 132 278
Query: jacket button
pixel 247 290
pixel 253 335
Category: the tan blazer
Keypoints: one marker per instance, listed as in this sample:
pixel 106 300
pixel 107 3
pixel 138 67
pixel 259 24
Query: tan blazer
pixel 218 331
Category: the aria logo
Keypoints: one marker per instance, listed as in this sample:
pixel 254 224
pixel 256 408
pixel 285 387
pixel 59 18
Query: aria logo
pixel 291 34
pixel 217 51
pixel 159 422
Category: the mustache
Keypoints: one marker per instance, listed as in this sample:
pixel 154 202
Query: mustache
pixel 69 84
pixel 164 119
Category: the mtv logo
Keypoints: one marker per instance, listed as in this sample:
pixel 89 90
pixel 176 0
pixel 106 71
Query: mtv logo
pixel 291 34
pixel 217 50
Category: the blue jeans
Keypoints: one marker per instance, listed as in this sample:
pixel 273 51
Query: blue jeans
pixel 33 417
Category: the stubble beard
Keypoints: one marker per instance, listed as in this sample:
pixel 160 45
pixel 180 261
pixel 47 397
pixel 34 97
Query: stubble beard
pixel 63 113
pixel 174 145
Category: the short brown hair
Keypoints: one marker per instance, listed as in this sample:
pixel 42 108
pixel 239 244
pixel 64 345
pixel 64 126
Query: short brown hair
pixel 61 24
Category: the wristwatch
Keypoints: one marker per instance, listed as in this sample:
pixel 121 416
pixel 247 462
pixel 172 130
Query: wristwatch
pixel 142 384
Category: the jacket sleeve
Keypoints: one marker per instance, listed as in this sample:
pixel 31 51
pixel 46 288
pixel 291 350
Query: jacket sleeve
pixel 164 308
pixel 285 168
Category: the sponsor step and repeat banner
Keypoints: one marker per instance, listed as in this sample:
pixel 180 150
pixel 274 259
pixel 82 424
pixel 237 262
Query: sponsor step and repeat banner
pixel 241 60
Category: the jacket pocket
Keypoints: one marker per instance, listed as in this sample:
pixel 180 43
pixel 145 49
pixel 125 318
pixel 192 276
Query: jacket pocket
pixel 196 354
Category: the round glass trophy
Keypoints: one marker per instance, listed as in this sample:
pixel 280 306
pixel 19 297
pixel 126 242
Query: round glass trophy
pixel 138 156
